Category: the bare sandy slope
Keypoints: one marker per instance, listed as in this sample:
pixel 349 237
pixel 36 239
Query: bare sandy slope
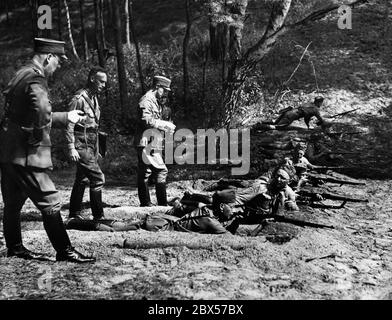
pixel 353 261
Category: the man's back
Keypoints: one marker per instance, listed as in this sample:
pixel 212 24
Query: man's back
pixel 306 111
pixel 309 109
pixel 148 112
pixel 25 132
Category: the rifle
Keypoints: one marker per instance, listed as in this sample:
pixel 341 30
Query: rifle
pixel 342 152
pixel 343 113
pixel 344 132
pixel 322 205
pixel 298 222
pixel 279 218
pixel 260 214
pixel 317 178
pixel 321 168
pixel 309 194
pixel 224 183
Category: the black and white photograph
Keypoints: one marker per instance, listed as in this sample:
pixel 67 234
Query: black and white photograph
pixel 196 155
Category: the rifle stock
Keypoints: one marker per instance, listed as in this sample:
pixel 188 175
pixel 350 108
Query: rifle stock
pixel 262 217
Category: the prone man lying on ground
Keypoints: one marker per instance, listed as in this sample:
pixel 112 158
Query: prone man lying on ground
pixel 220 212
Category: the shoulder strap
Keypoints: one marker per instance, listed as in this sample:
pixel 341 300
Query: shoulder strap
pixel 90 103
pixel 188 216
pixel 286 109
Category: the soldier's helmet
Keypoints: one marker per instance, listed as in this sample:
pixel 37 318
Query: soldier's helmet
pixel 318 100
pixel 316 136
pixel 283 174
pixel 224 196
pixel 300 147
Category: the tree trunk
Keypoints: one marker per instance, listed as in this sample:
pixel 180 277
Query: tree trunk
pixel 7 12
pixel 102 27
pixel 218 40
pixel 59 29
pixel 109 17
pixel 136 43
pixel 242 68
pixel 204 74
pixel 34 19
pixel 185 53
pixel 98 39
pixel 386 19
pixel 120 60
pixel 83 31
pixel 70 30
pixel 226 24
pixel 236 79
pixel 224 46
pixel 127 27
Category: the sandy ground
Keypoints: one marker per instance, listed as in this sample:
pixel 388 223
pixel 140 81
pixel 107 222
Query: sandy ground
pixel 352 261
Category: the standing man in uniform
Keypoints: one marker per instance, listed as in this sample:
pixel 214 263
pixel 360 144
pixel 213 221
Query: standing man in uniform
pixel 25 153
pixel 150 162
pixel 83 146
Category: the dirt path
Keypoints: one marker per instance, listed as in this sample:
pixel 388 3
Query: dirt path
pixel 353 261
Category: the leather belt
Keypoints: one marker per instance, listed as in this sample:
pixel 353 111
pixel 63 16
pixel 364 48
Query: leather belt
pixel 83 129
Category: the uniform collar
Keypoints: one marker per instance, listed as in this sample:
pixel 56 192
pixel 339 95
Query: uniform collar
pixel 90 94
pixel 39 66
pixel 151 95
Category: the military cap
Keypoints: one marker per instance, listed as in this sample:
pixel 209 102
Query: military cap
pixel 224 196
pixel 43 45
pixel 283 174
pixel 162 82
pixel 300 146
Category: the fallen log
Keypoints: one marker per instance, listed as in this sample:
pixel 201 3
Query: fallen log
pixel 194 244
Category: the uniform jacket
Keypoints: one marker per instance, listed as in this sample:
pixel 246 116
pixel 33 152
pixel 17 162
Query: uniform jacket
pixel 200 220
pixel 303 161
pixel 149 111
pixel 260 196
pixel 309 110
pixel 84 135
pixel 25 128
pixel 306 111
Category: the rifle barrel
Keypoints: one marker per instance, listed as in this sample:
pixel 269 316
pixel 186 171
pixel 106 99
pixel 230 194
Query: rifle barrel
pixel 343 198
pixel 329 195
pixel 301 223
pixel 337 180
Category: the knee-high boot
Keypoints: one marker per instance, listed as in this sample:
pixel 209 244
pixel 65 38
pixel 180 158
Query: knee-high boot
pixel 161 193
pixel 75 203
pixel 55 230
pixel 143 192
pixel 96 204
